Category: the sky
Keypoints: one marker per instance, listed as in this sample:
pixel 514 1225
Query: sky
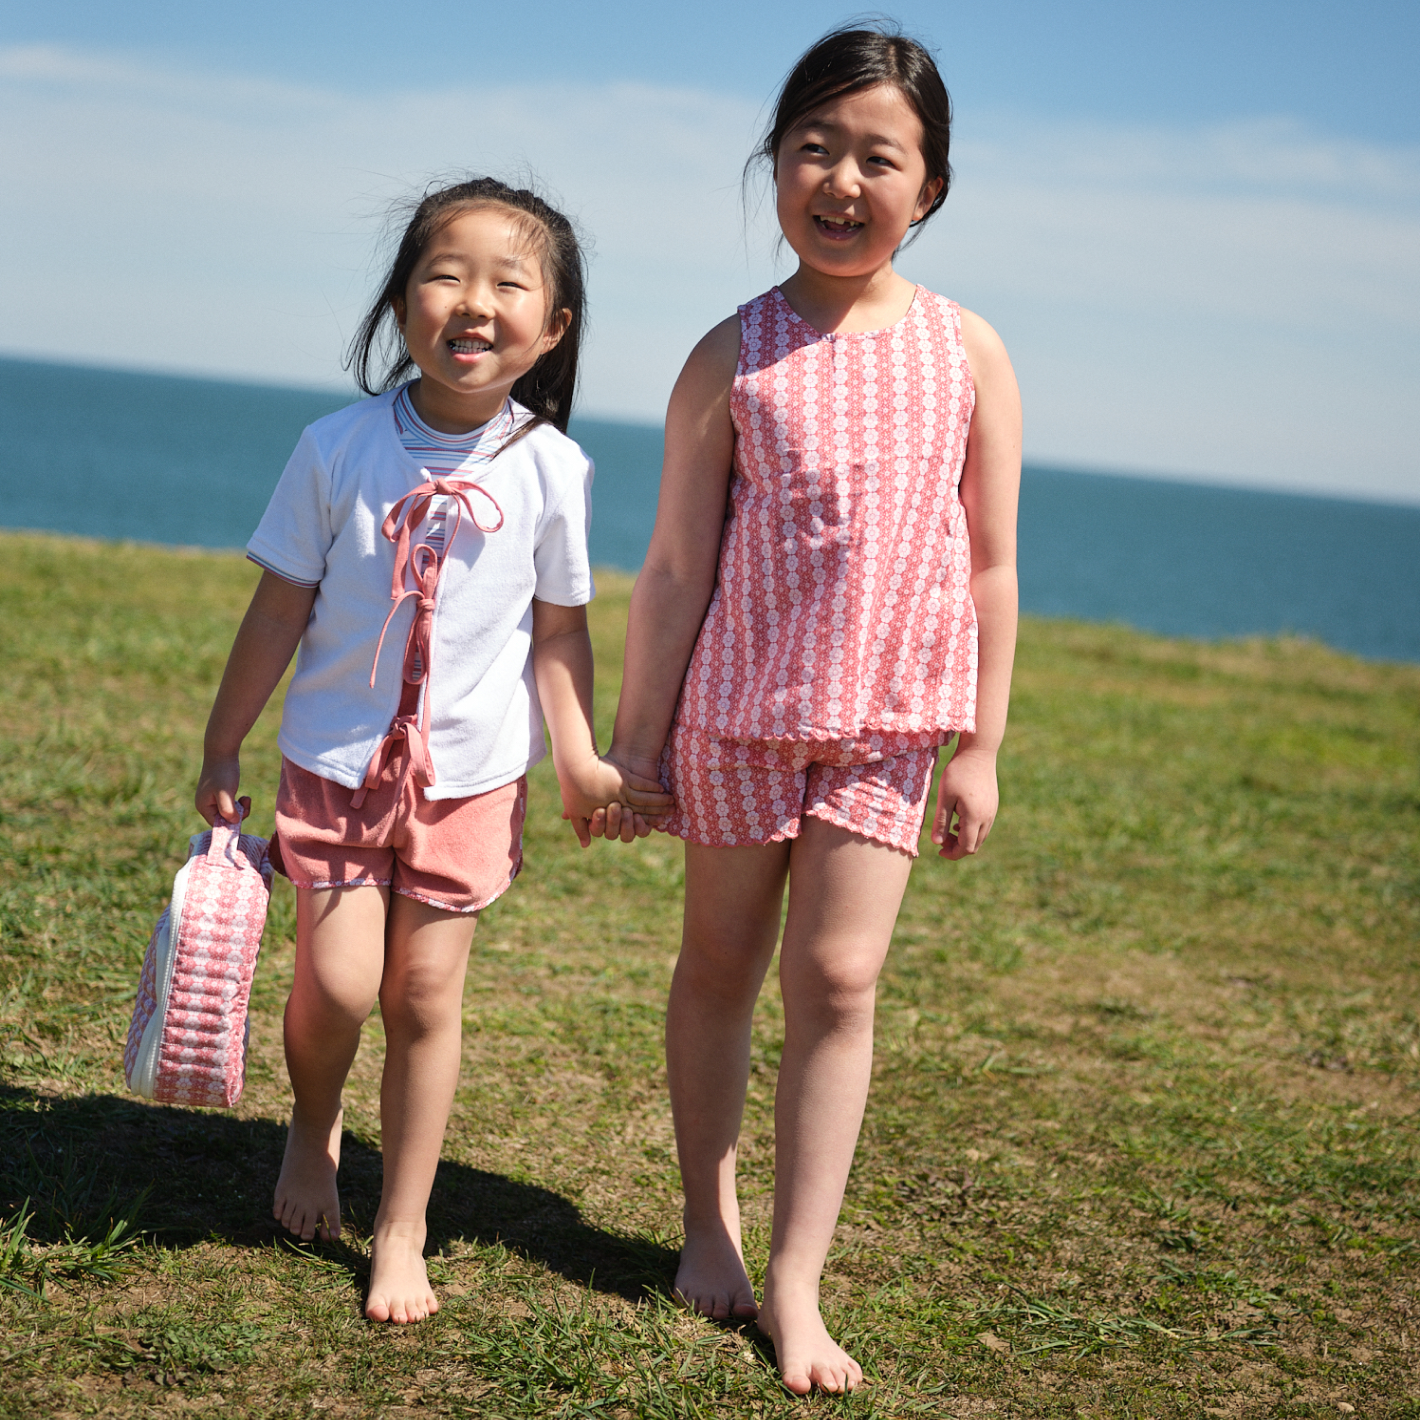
pixel 1196 226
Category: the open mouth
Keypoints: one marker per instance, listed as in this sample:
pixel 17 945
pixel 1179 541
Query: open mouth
pixel 837 226
pixel 469 345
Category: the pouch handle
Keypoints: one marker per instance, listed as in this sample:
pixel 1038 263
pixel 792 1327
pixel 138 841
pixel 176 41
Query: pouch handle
pixel 226 836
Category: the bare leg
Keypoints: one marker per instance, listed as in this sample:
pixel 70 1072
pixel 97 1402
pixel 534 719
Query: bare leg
pixel 340 949
pixel 732 899
pixel 421 1004
pixel 844 893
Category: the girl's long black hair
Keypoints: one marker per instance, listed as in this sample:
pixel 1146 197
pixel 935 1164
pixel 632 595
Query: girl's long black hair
pixel 378 356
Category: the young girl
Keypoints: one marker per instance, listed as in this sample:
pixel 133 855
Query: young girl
pixel 829 597
pixel 427 551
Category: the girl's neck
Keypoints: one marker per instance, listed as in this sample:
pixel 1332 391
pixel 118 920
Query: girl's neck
pixel 848 305
pixel 447 414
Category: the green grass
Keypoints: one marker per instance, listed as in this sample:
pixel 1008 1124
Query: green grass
pixel 1142 1140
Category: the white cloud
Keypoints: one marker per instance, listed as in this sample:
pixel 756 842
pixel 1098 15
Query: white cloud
pixel 1242 302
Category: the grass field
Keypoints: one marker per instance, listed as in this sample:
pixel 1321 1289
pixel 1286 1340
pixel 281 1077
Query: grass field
pixel 1142 1139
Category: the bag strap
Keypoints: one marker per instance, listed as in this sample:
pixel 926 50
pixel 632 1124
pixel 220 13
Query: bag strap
pixel 226 839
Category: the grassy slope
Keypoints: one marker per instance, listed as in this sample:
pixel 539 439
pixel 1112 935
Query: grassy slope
pixel 1142 1140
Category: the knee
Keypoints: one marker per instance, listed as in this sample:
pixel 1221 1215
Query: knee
pixel 833 994
pixel 719 968
pixel 421 1004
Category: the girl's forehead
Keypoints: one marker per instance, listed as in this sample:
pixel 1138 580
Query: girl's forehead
pixel 881 111
pixel 489 227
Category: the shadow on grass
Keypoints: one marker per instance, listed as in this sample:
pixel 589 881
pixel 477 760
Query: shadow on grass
pixel 193 1175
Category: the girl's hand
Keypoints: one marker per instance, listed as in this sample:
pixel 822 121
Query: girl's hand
pixel 600 791
pixel 968 791
pixel 621 819
pixel 216 796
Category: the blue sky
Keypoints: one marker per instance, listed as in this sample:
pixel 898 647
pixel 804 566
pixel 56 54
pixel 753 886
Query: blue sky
pixel 1349 69
pixel 1196 225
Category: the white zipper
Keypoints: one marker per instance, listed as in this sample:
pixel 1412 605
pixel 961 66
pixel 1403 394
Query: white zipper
pixel 145 1068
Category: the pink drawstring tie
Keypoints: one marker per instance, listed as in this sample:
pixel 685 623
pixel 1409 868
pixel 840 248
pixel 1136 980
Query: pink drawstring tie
pixel 427 568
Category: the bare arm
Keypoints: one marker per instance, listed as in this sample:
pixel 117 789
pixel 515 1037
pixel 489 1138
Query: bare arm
pixel 562 666
pixel 678 577
pixel 990 490
pixel 267 639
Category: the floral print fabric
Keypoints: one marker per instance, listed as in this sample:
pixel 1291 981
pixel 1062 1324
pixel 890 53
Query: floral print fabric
pixel 842 609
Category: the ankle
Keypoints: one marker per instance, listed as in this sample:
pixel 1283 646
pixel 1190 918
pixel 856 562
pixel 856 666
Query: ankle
pixel 404 1231
pixel 717 1222
pixel 322 1121
pixel 790 1288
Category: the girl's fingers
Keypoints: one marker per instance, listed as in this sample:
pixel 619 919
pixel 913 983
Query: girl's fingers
pixel 643 793
pixel 942 823
pixel 597 823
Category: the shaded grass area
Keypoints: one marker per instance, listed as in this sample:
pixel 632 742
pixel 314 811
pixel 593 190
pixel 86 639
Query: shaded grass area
pixel 1142 1140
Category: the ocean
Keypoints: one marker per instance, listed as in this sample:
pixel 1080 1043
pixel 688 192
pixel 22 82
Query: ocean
pixel 168 459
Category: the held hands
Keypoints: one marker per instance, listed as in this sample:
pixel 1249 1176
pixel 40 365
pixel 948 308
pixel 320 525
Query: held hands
pixel 216 795
pixel 968 791
pixel 600 792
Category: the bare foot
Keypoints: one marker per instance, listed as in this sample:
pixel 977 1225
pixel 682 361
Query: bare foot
pixel 711 1278
pixel 399 1280
pixel 807 1355
pixel 307 1202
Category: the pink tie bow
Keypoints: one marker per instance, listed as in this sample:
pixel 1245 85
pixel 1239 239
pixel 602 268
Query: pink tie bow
pixel 427 567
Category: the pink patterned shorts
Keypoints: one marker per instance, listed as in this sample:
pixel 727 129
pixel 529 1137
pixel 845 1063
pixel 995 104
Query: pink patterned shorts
pixel 735 793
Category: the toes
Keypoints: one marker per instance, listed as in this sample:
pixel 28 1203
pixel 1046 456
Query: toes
pixel 798 1382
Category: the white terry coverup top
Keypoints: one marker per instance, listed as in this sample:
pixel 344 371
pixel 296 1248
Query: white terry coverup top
pixel 322 529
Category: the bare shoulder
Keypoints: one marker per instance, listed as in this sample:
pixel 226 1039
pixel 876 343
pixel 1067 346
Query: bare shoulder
pixel 984 348
pixel 703 389
pixel 716 356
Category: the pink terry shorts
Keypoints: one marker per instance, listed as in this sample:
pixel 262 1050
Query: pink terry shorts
pixel 456 854
pixel 735 793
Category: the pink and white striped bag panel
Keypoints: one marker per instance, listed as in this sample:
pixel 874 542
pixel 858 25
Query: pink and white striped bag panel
pixel 188 1040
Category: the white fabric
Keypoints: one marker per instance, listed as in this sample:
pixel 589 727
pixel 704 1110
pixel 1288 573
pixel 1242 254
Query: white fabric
pixel 322 528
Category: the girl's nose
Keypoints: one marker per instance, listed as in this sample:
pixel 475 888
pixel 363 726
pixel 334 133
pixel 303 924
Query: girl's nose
pixel 842 181
pixel 474 303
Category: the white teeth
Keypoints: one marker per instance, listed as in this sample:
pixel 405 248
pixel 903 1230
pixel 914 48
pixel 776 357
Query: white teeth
pixel 469 347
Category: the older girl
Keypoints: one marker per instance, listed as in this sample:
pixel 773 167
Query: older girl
pixel 829 598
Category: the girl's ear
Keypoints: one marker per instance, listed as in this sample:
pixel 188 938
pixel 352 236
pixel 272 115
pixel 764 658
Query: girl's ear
pixel 927 197
pixel 400 310
pixel 556 328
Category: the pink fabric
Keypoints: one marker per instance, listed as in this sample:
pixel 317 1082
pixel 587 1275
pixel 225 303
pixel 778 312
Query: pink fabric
pixel 843 606
pixel 737 793
pixel 201 1008
pixel 454 854
pixel 426 565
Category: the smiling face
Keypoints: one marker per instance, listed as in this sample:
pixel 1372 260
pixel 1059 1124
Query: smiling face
pixel 475 317
pixel 850 179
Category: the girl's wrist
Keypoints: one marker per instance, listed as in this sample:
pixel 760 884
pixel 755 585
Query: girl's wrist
pixel 968 744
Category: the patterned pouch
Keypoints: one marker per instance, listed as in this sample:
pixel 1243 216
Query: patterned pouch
pixel 188 1040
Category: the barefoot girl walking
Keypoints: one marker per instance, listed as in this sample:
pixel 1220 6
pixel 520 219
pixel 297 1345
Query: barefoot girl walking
pixel 829 597
pixel 426 549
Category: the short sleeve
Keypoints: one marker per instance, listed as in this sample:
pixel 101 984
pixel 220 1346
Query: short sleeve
pixel 564 573
pixel 295 534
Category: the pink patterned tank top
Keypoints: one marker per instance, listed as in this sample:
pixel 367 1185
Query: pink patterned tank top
pixel 842 608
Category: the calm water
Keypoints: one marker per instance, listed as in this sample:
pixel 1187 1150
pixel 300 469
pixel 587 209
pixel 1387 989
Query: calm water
pixel 165 459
